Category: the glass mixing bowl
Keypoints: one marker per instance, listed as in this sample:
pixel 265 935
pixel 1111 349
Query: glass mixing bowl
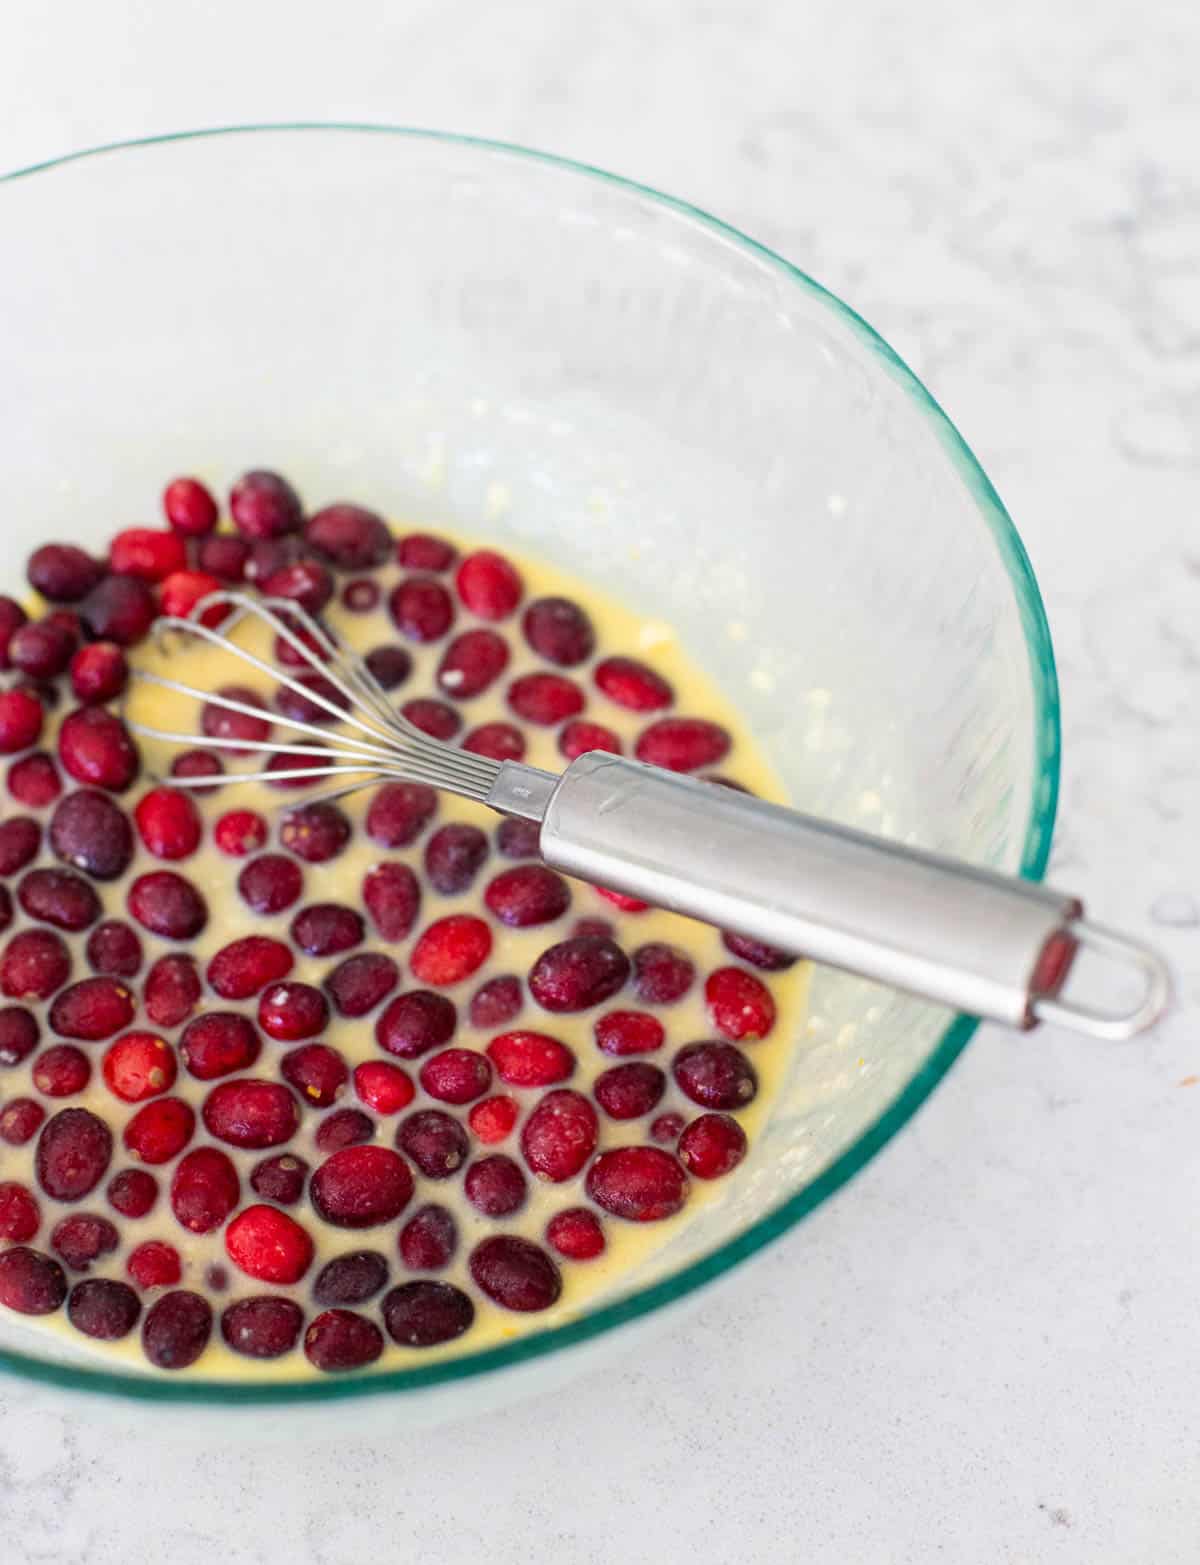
pixel 460 331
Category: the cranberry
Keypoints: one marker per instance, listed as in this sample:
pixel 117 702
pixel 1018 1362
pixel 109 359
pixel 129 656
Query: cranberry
pixel 268 555
pixel 270 883
pixel 160 1129
pixel 516 839
pixel 147 552
pixel 311 704
pixel 91 832
pixel 498 741
pixel 291 1011
pixel 120 609
pixel 83 1238
pixel 239 832
pixel 132 1192
pixel 113 950
pixel 456 1076
pixel 576 1234
pixel 58 897
pixel 205 1189
pixel 99 673
pixel 62 572
pixel 629 1032
pixel 493 1119
pixel 559 630
pixel 390 666
pixel 436 1143
pixel 360 983
pixel 42 649
pixel 740 1004
pixel 198 763
pixel 577 973
pixel 139 1066
pixel 429 1239
pixel 224 556
pixel 662 973
pixel 35 963
pixel 712 1145
pixel 416 1022
pixel 12 617
pixel 34 781
pixel 19 1121
pixel 715 1075
pixel 61 1071
pixel 6 907
pixel 94 747
pixel 453 856
pixel 315 833
pixel 392 896
pixel 268 1245
pixel 423 1314
pixel 546 699
pixel 683 744
pixel 217 1044
pixel 176 1331
pixel 495 1186
pixel 102 1308
pixel 341 1340
pixel 155 1264
pixel 244 967
pixel 619 899
pixel 218 722
pixel 171 990
pixel 168 823
pixel 20 1215
pixel 473 661
pixel 529 894
pixel 399 813
pixel 361 595
pixel 280 1178
pixel 424 552
pixel 560 1135
pixel 21 717
pixel 360 1187
pixel 263 1327
pixel 497 1002
pixel 629 1091
pixel 344 1128
pixel 667 1128
pixel 421 609
pixel 264 505
pixel 20 840
pixel 317 1072
pixel 168 905
pixel 352 1278
pixel 451 949
pixel 31 1282
pixel 488 585
pixel 189 507
pixel 434 718
pixel 769 959
pixel 515 1273
pixel 578 737
pixel 641 1184
pixel 73 1154
pixel 306 583
pixel 385 1088
pixel 350 537
pixel 19 1033
pixel 326 928
pixel 633 685
pixel 530 1059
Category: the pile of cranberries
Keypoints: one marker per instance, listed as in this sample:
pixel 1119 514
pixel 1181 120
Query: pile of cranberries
pixel 143 1083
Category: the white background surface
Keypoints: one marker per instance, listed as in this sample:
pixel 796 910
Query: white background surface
pixel 987 1348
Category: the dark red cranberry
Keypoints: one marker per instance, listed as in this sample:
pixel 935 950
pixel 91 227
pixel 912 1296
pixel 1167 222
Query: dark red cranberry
pixel 292 1011
pixel 560 1135
pixel 456 1076
pixel 641 1184
pixel 269 555
pixel 530 1059
pixel 279 1178
pixel 264 505
pixel 495 1186
pixel 61 1071
pixel 344 1128
pixel 361 595
pixel 168 905
pixel 578 973
pixel 326 928
pixel 360 983
pixel 516 839
pixel 58 896
pixel 176 1330
pixel 19 1033
pixel 95 748
pixel 739 1004
pixel 12 617
pixel 434 718
pixel 424 552
pixel 224 556
pixel 172 990
pixel 578 737
pixel 559 630
pixel 19 1121
pixel 545 699
pixel 339 1340
pixel 392 896
pixel 390 665
pixel 20 840
pixel 516 1273
pixel 428 1239
pixel 120 609
pixel 21 719
pixel 155 1264
pixel 450 950
pixel 270 883
pixel 416 1022
pixel 350 537
pixel 317 1072
pixel 529 894
pixel 244 967
pixel 399 813
pixel 488 585
pixel 132 1192
pixel 198 763
pixel 473 661
pixel 204 1190
pixel 629 1032
pixel 73 1154
pixel 767 958
pixel 361 1187
pixel 6 907
pixel 436 1143
pixel 633 685
pixel 104 1309
pixel 42 649
pixel 384 1087
pixel 423 1314
pixel 239 832
pixel 113 950
pixel 666 1128
pixel 189 507
pixel 31 1282
pixel 219 722
pixel 268 1245
pixel 498 741
pixel 263 1327
pixel 307 707
pixel 93 833
pixel 715 1075
pixel 421 609
pixel 351 1279
pixel 629 1091
pixel 712 1145
pixel 35 963
pixel 495 1003
pixel 219 1043
pixel 492 1120
pixel 148 552
pixel 62 572
pixel 306 583
pixel 82 1238
pixel 138 1066
pixel 576 1234
pixel 168 823
pixel 160 1130
pixel 34 781
pixel 20 1215
pixel 683 744
pixel 662 973
pixel 453 856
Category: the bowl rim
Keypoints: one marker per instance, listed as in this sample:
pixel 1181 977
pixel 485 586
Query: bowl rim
pixel 958 1031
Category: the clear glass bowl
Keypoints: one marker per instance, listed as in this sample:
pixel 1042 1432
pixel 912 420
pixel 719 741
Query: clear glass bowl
pixel 455 330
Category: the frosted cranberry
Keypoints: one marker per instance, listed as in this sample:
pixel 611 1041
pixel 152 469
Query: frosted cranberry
pixel 103 1308
pixel 34 781
pixel 340 1340
pixel 292 1011
pixel 493 1119
pixel 361 1186
pixel 306 583
pixel 83 1238
pixel 629 1091
pixel 264 505
pixel 456 1076
pixel 472 662
pixel 497 1002
pixel 498 741
pixel 20 839
pixel 629 1032
pixel 20 1215
pixel 416 1022
pixel 436 1143
pixel 352 1278
pixel 453 856
pixel 19 1121
pixel 198 763
pixel 35 963
pixel 488 585
pixel 429 1239
pixel 168 905
pixel 715 1075
pixel 344 1128
pixel 19 1033
pixel 120 609
pixel 168 823
pixel 12 617
pixel 662 973
pixel 390 665
pixel 94 747
pixel 31 1282
pixel 530 1059
pixel 495 1186
pixel 264 1327
pixel 239 832
pixel 578 737
pixel 268 1245
pixel 383 1087
pixel 270 883
pixel 62 572
pixel 529 894
pixel 560 1135
pixel 171 990
pixel 360 983
pixel 326 928
pixel 641 1184
pixel 160 1130
pixel 217 1044
pixel 91 832
pixel 516 839
pixel 308 708
pixel 219 722
pixel 516 1273
pixel 148 552
pixel 633 685
pixel 683 744
pixel 224 556
pixel 280 1178
pixel 577 973
pixel 113 950
pixel 204 1190
pixel 189 507
pixel 768 958
pixel 361 595
pixel 399 813
pixel 424 552
pixel 42 649
pixel 61 1071
pixel 559 630
pixel 155 1264
pixel 451 949
pixel 421 609
pixel 21 718
pixel 392 896
pixel 434 718
pixel 58 897
pixel 739 1004
pixel 350 537
pixel 576 1234
pixel 244 967
pixel 73 1154
pixel 317 1072
pixel 132 1192
pixel 176 1331
pixel 546 699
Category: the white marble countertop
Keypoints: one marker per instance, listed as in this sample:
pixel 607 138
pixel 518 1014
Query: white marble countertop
pixel 985 1349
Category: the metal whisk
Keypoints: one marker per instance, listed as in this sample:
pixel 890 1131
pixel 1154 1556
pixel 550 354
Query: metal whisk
pixel 988 944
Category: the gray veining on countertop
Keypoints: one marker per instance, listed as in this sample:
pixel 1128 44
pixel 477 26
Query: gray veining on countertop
pixel 984 1351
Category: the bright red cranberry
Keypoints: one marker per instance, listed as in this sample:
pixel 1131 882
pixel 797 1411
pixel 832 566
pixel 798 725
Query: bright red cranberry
pixel 19 1121
pixel 350 537
pixel 176 1331
pixel 94 746
pixel 204 1190
pixel 172 990
pixel 421 609
pixel 578 973
pixel 495 1003
pixel 326 928
pixel 244 967
pixel 712 1145
pixel 416 1022
pixel 147 552
pixel 264 1327
pixel 629 1091
pixel 527 895
pixel 493 1119
pixel 82 1238
pixel 385 1088
pixel 633 685
pixel 339 1340
pixel 239 832
pixel 189 507
pixel 391 665
pixel 73 1154
pixel 93 833
pixel 59 897
pixel 392 896
pixel 456 1076
pixel 317 1072
pixel 20 1215
pixel 20 839
pixel 360 983
pixel 160 1129
pixel 219 1043
pixel 767 958
pixel 666 1128
pixel 434 718
pixel 168 905
pixel 292 1011
pixel 739 1004
pixel 219 722
pixel 436 1143
pixel 619 899
pixel 113 950
pixel 429 1239
pixel 629 1032
pixel 62 572
pixel 516 1273
pixel 662 973
pixel 21 718
pixel 498 741
pixel 31 1282
pixel 559 630
pixel 361 595
pixel 315 833
pixel 224 556
pixel 306 582
pixel 399 813
pixel 715 1075
pixel 530 1059
pixel 473 661
pixel 19 1033
pixel 495 1186
pixel 640 1184
pixel 268 1245
pixel 12 617
pixel 132 1192
pixel 451 949
pixel 516 839
pixel 576 1234
pixel 560 1135
pixel 155 1264
pixel 103 1308
pixel 488 585
pixel 270 883
pixel 578 737
pixel 168 823
pixel 453 856
pixel 183 590
pixel 361 1187
pixel 198 763
pixel 61 1071
pixel 139 1066
pixel 424 552
pixel 35 963
pixel 121 609
pixel 545 699
pixel 264 505
pixel 344 1128
pixel 279 1178
pixel 34 781
pixel 683 744
pixel 42 649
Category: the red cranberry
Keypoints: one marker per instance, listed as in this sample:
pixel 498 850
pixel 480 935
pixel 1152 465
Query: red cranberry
pixel 34 781
pixel 360 983
pixel 560 1135
pixel 268 1245
pixel 239 832
pixel 61 1071
pixel 168 905
pixel 683 744
pixel 641 1184
pixel 270 883
pixel 576 1234
pixel 342 1340
pixel 155 1264
pixel 517 839
pixel 360 1187
pixel 292 1011
pixel 308 708
pixel 456 1076
pixel 629 1032
pixel 385 1088
pixel 344 1128
pixel 20 1215
pixel 19 1033
pixel 740 1004
pixel 218 722
pixel 450 950
pixel 205 1189
pixel 58 897
pixel 416 1022
pixel 317 1072
pixel 91 832
pixel 421 609
pixel 769 959
pixel 113 950
pixel 99 673
pixel 217 1044
pixel 31 1282
pixel 495 1186
pixel 488 585
pixel 95 747
pixel 578 737
pixel 42 649
pixel 666 1128
pixel 712 1145
pixel 361 595
pixel 326 928
pixel 428 1239
pixel 493 1119
pixel 530 1059
pixel 83 1238
pixel 311 648
pixel 62 572
pixel 148 552
pixel 189 507
pixel 20 840
pixel 168 823
pixel 633 685
pixel 12 617
pixel 578 973
pixel 73 1154
pixel 434 718
pixel 715 1075
pixel 264 1327
pixel 559 630
pixel 436 1143
pixel 103 1308
pixel 352 1278
pixel 529 894
pixel 399 813
pixel 198 763
pixel 516 1273
pixel 19 1121
pixel 21 718
pixel 315 833
pixel 171 990
pixel 424 552
pixel 453 856
pixel 120 609
pixel 132 1192
pixel 160 1129
pixel 350 537
pixel 546 699
pixel 473 661
pixel 495 1003
pixel 35 963
pixel 619 899
pixel 279 1178
pixel 662 973
pixel 176 1331
pixel 244 967
pixel 224 556
pixel 264 505
pixel 6 907
pixel 392 896
pixel 138 1066
pixel 498 741
pixel 390 665
pixel 306 583
pixel 629 1091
